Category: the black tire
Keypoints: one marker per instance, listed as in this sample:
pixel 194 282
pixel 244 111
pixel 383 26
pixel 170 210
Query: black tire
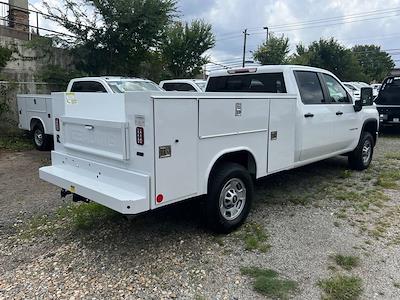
pixel 41 140
pixel 360 158
pixel 237 176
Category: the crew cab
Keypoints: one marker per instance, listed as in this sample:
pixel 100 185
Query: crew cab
pixel 183 85
pixel 35 110
pixel 136 152
pixel 388 101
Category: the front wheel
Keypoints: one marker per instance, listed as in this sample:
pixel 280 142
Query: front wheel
pixel 361 157
pixel 229 197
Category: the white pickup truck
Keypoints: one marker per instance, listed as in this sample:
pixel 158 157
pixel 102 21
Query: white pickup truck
pixel 139 151
pixel 35 111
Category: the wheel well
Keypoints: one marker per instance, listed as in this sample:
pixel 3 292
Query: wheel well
pixel 35 122
pixel 244 158
pixel 371 127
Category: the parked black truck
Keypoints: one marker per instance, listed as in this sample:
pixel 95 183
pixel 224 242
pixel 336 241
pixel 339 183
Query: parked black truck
pixel 388 101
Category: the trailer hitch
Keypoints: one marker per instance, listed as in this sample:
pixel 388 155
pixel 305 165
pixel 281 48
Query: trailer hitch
pixel 75 197
pixel 64 193
pixel 79 198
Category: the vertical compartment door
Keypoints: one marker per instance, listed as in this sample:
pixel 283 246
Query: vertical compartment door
pixel 176 141
pixel 281 138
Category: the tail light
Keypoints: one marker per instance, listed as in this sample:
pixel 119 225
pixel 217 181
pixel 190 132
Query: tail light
pixel 139 135
pixel 57 123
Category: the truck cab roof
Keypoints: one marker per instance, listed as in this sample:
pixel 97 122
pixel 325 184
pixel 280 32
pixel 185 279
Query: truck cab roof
pixel 111 84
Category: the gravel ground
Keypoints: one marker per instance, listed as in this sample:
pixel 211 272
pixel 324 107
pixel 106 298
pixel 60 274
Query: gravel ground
pixel 307 215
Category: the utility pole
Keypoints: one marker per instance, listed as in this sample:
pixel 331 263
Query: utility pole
pixel 267 29
pixel 244 46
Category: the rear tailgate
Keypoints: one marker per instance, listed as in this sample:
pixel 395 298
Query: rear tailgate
pixel 92 156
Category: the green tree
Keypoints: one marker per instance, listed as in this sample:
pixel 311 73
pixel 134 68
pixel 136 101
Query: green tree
pixel 375 63
pixel 5 55
pixel 113 36
pixel 184 46
pixel 274 51
pixel 332 56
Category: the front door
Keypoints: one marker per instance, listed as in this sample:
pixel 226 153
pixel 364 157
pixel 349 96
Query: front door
pixel 346 126
pixel 316 119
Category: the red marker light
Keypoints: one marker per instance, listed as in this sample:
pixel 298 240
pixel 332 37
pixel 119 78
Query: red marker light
pixel 160 198
pixel 139 135
pixel 57 121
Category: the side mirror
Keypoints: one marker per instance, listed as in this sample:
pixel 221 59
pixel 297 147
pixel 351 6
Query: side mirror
pixel 366 96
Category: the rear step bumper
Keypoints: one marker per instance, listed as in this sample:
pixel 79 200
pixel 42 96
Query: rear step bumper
pixel 124 191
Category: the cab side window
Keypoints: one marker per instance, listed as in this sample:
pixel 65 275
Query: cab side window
pixel 336 93
pixel 310 87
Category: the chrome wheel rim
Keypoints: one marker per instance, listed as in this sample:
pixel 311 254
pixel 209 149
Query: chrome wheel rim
pixel 232 199
pixel 366 151
pixel 38 136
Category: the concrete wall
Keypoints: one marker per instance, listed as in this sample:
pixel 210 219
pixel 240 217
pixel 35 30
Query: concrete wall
pixel 22 71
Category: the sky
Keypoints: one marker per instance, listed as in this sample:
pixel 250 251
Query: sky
pixel 303 21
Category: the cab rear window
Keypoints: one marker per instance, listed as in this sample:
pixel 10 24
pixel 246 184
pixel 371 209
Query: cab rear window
pixel 249 83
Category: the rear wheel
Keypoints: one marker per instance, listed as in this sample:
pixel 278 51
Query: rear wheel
pixel 361 157
pixel 40 139
pixel 229 197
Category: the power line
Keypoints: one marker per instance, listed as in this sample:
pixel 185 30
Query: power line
pixel 328 21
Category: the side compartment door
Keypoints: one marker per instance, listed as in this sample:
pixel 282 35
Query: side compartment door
pixel 315 118
pixel 22 117
pixel 176 141
pixel 281 139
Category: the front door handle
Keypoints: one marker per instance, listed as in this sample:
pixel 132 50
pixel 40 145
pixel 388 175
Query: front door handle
pixel 309 115
pixel 339 113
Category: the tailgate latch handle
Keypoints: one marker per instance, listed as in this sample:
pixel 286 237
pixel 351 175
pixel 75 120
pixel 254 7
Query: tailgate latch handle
pixel 89 127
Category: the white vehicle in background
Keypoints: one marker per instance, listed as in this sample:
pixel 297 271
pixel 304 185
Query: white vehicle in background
pixel 184 85
pixel 375 88
pixel 354 88
pixel 35 111
pixel 136 152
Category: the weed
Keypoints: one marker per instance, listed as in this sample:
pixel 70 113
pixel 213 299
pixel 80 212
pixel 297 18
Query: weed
pixel 341 287
pixel 345 174
pixel 268 283
pixel 346 262
pixel 396 285
pixel 255 238
pixel 87 215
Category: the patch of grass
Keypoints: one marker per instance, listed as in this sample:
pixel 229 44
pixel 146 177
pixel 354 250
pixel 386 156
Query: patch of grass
pixel 255 238
pixel 345 174
pixel 38 226
pixel 87 215
pixel 341 287
pixel 347 262
pixel 15 143
pixel 388 180
pixel 393 155
pixel 396 285
pixel 268 283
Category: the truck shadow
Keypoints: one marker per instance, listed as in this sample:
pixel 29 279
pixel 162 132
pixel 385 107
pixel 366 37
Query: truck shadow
pixel 185 221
